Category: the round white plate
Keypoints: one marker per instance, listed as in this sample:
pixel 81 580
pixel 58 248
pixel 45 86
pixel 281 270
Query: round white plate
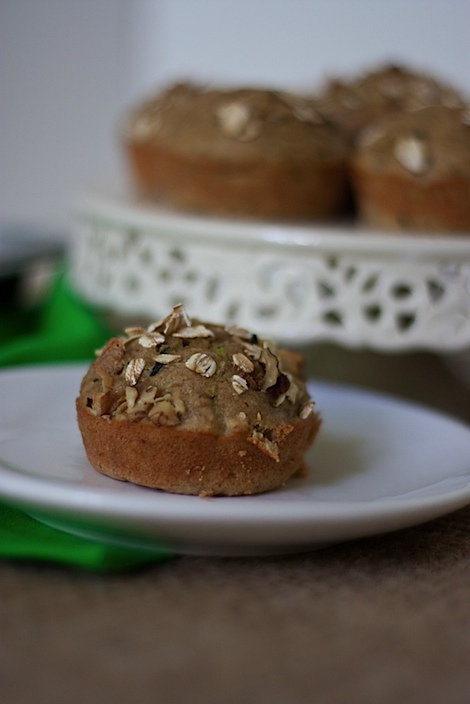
pixel 379 464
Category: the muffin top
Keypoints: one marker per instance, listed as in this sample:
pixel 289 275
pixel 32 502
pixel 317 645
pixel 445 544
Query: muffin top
pixel 240 125
pixel 199 377
pixel 388 90
pixel 427 144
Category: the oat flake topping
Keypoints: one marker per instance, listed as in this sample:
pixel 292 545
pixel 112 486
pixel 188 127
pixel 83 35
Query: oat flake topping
pixel 166 358
pixel 239 384
pixel 202 364
pixel 177 319
pixel 235 120
pixel 237 331
pixel 253 351
pixel 306 410
pixel 134 332
pixel 134 370
pixel 151 339
pixel 131 396
pixel 242 362
pixel 194 332
pixel 413 153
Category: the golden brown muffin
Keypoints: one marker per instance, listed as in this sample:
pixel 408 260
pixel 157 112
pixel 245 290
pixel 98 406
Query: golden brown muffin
pixel 242 153
pixel 412 172
pixel 388 90
pixel 196 408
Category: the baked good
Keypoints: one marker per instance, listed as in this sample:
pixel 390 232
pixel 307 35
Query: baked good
pixel 387 90
pixel 196 408
pixel 412 172
pixel 240 153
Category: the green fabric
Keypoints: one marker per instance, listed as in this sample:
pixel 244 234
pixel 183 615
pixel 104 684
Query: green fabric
pixel 22 537
pixel 62 329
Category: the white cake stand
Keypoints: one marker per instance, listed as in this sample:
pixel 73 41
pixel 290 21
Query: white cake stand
pixel 298 284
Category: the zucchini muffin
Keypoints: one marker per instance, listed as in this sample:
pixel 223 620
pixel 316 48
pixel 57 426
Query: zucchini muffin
pixel 412 172
pixel 196 408
pixel 246 152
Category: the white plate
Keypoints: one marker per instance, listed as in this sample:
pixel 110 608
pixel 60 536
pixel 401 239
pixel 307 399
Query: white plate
pixel 379 464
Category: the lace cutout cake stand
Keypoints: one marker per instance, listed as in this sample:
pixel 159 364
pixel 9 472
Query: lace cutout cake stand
pixel 297 284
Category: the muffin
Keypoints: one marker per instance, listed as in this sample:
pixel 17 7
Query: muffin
pixel 196 408
pixel 412 172
pixel 248 152
pixel 388 90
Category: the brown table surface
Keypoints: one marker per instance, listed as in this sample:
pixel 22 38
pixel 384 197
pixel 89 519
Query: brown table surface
pixel 379 620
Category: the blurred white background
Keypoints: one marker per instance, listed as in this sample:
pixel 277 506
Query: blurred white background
pixel 70 68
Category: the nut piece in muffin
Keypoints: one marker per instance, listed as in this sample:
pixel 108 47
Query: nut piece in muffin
pixel 412 172
pixel 192 407
pixel 246 152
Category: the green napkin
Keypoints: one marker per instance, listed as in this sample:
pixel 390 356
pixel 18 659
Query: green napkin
pixel 24 538
pixel 62 329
